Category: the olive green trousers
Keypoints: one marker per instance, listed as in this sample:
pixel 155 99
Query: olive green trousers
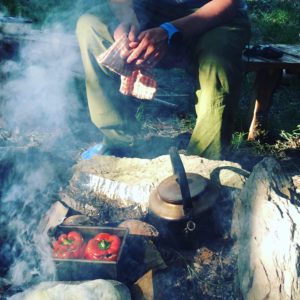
pixel 215 55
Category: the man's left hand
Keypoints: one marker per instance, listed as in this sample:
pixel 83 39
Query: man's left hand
pixel 152 46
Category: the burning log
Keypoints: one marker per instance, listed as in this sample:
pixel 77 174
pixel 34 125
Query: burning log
pixel 266 224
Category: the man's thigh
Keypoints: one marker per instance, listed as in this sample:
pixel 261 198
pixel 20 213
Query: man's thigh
pixel 226 41
pixel 152 13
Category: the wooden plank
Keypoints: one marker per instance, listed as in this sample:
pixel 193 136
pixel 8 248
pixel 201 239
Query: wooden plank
pixel 290 59
pixel 54 217
pixel 253 66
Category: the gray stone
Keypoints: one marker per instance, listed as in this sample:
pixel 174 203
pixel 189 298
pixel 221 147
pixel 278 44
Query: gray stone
pixel 137 227
pixel 107 184
pixel 76 220
pixel 266 224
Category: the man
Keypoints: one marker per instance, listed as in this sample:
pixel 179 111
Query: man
pixel 213 33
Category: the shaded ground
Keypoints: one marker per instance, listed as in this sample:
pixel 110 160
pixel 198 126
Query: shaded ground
pixel 207 272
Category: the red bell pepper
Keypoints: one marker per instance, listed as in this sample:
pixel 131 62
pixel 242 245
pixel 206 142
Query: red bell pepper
pixel 103 246
pixel 69 245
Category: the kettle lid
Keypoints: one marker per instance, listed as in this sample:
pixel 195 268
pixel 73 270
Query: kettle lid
pixel 169 189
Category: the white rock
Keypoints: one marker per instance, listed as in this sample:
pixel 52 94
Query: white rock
pixel 91 290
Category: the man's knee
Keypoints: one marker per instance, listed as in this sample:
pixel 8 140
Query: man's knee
pixel 88 24
pixel 219 72
pixel 84 24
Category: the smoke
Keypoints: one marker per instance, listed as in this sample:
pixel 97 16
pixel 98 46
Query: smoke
pixel 27 193
pixel 39 96
pixel 40 106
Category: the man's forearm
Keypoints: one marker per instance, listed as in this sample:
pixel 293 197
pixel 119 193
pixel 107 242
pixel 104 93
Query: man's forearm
pixel 124 12
pixel 208 16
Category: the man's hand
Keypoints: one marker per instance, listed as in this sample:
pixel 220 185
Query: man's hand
pixel 129 30
pixel 129 24
pixel 151 47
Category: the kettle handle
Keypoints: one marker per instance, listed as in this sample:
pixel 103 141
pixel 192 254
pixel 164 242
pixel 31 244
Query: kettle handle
pixel 179 172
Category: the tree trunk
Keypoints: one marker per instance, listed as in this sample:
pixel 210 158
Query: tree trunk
pixel 266 223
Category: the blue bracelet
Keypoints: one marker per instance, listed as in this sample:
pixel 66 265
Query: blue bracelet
pixel 170 29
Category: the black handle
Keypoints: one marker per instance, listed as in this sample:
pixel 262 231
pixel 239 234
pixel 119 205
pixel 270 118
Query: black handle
pixel 179 172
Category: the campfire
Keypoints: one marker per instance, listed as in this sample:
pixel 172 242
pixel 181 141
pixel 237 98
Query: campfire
pixel 155 247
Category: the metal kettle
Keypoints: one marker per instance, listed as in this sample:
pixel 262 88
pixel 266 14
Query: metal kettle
pixel 181 204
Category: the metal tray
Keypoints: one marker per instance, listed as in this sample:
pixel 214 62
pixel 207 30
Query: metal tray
pixel 82 269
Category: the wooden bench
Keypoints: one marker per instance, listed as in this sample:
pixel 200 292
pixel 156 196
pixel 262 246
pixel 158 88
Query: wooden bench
pixel 267 78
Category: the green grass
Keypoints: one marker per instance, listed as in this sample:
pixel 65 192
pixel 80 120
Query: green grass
pixel 288 141
pixel 275 21
pixel 238 140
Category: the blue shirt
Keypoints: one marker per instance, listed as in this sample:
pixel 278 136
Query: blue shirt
pixel 199 3
pixel 178 2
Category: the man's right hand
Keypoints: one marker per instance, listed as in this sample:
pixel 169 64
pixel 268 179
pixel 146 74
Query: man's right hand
pixel 125 14
pixel 130 30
